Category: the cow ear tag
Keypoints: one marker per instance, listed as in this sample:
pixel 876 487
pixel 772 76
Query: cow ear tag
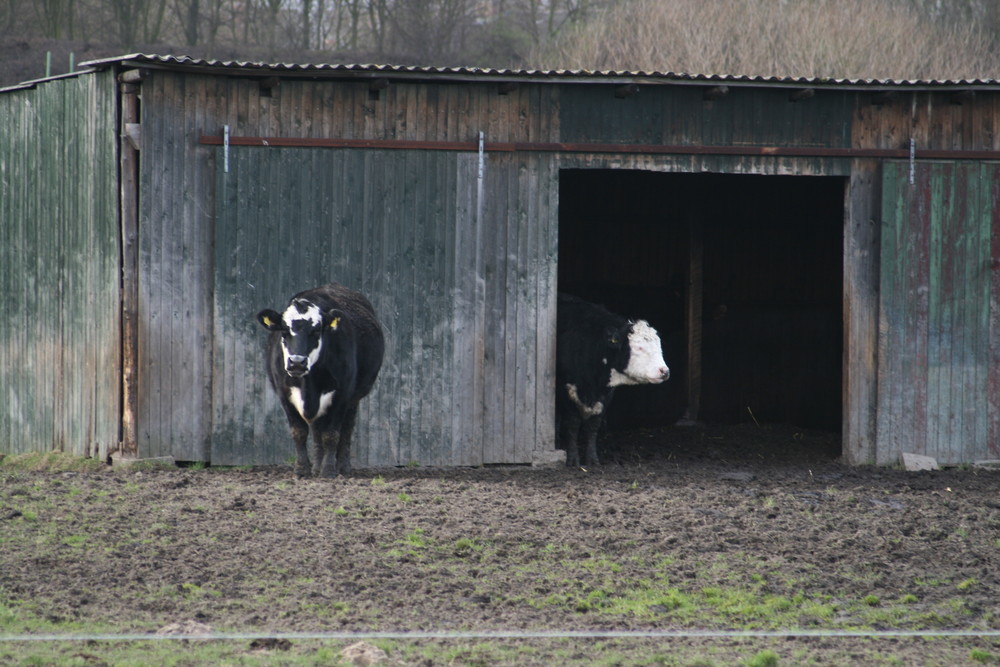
pixel 267 321
pixel 334 323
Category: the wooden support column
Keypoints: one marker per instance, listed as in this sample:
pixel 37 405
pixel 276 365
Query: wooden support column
pixel 693 319
pixel 129 210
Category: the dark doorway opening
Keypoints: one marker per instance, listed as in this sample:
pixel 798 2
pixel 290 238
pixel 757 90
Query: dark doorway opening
pixel 741 275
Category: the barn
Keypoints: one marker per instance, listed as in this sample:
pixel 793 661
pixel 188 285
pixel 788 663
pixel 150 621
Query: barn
pixel 824 253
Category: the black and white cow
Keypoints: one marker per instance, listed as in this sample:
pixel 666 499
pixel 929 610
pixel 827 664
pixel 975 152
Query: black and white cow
pixel 323 355
pixel 597 351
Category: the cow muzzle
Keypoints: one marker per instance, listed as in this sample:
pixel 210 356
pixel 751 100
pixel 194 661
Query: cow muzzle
pixel 296 365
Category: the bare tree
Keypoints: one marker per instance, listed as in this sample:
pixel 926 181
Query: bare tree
pixel 56 18
pixel 188 13
pixel 429 30
pixel 137 21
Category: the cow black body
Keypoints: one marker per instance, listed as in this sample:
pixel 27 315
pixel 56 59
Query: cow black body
pixel 323 355
pixel 597 351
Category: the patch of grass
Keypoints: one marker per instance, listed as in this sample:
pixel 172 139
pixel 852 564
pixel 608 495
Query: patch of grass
pixel 191 590
pixel 465 546
pixel 416 538
pixel 404 497
pixel 967 584
pixel 51 462
pixel 979 655
pixel 767 658
pixel 75 541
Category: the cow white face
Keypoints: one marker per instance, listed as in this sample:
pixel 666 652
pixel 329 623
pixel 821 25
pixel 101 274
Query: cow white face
pixel 301 327
pixel 645 361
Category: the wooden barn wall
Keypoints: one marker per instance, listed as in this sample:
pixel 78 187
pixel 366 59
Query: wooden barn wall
pixel 459 299
pixel 681 116
pixel 939 354
pixel 59 268
pixel 183 411
pixel 464 283
pixel 922 302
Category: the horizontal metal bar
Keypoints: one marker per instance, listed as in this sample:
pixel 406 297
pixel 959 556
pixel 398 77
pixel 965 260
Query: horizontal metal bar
pixel 505 634
pixel 562 147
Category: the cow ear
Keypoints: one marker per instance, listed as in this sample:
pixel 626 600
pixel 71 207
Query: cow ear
pixel 613 336
pixel 333 318
pixel 270 320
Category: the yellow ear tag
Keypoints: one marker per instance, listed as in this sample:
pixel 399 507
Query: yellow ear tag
pixel 334 322
pixel 267 321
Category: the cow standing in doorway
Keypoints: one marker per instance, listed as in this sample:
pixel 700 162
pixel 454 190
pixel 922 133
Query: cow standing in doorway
pixel 323 355
pixel 597 351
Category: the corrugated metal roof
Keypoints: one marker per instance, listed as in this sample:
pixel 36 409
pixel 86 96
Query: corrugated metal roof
pixel 480 73
pixel 32 83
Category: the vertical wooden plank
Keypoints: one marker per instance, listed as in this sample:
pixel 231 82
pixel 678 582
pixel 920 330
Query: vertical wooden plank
pixel 981 198
pixel 861 332
pixel 894 427
pixel 991 188
pixel 129 194
pixel 467 423
pixel 494 258
pixel 915 260
pixel 522 439
pixel 548 232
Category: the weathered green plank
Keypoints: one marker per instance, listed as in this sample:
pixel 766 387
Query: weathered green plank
pixel 935 349
pixel 59 268
pixel 459 308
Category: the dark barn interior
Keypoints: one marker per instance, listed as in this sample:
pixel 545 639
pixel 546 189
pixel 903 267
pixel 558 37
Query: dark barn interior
pixel 749 265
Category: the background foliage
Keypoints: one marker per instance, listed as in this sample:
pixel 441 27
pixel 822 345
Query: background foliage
pixel 900 39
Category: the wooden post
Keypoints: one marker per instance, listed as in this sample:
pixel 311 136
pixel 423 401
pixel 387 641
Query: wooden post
pixel 129 203
pixel 693 317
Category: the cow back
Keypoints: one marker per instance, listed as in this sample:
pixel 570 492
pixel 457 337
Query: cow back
pixel 367 338
pixel 590 342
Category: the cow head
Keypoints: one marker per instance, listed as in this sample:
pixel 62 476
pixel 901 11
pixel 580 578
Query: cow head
pixel 640 346
pixel 302 327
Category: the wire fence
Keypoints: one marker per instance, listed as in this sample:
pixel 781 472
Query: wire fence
pixel 505 634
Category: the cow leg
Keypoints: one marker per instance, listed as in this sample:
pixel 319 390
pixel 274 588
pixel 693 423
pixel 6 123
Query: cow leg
pixel 570 428
pixel 300 434
pixel 326 444
pixel 344 444
pixel 589 430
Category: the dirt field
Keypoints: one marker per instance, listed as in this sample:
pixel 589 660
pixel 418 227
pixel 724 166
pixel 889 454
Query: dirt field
pixel 744 528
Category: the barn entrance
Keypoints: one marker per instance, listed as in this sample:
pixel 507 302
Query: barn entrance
pixel 741 275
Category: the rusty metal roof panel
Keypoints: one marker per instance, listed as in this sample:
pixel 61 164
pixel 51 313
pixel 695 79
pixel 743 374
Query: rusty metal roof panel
pixel 479 73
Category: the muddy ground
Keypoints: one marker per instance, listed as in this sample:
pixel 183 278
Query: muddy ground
pixel 700 528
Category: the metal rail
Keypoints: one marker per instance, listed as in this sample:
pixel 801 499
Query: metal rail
pixel 586 147
pixel 509 634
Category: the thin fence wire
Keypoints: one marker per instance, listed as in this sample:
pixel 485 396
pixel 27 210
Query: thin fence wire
pixel 505 634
